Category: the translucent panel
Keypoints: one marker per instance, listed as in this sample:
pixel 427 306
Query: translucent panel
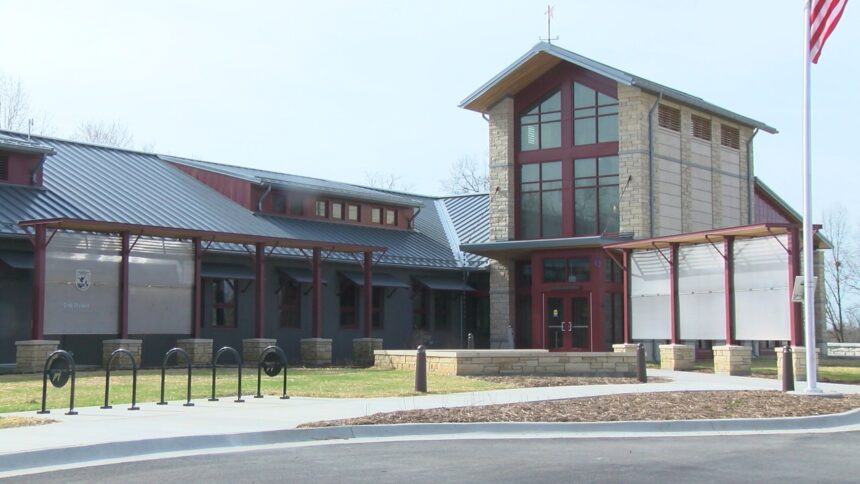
pixel 551 214
pixel 607 128
pixel 608 209
pixel 553 103
pixel 584 167
pixel 529 138
pixel 603 99
pixel 551 170
pixel 161 283
pixel 578 269
pixel 553 270
pixel 529 215
pixel 585 211
pixel 584 131
pixel 607 165
pixel 649 295
pixel 762 297
pixel 582 96
pixel 701 292
pixel 550 135
pixel 530 173
pixel 82 284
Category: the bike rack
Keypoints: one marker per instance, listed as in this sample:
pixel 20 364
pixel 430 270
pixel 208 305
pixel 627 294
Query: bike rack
pixel 117 352
pixel 267 350
pixel 167 356
pixel 65 355
pixel 238 359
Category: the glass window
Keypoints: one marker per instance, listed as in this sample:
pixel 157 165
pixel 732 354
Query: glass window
pixel 337 210
pixel 440 310
pixel 612 273
pixel 595 116
pixel 352 213
pixel 595 195
pixel 291 309
pixel 378 311
pixel 296 205
pixel 553 270
pixel 376 215
pixel 222 312
pixel 419 307
pixel 348 297
pixel 390 217
pixel 541 200
pixel 540 126
pixel 578 269
pixel 322 208
pixel 524 275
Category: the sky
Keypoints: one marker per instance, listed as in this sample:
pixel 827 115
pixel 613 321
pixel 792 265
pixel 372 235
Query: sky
pixel 343 89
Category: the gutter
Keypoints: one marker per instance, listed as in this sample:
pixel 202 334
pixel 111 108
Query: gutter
pixel 651 163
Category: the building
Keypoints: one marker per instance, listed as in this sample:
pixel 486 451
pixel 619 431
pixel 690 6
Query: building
pixel 103 248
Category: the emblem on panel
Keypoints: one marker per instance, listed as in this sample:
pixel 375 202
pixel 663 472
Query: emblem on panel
pixel 83 279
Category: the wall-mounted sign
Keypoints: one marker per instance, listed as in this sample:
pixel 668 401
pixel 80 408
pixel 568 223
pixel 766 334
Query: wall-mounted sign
pixel 83 279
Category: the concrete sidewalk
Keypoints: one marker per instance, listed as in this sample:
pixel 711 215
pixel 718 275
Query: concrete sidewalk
pixel 118 433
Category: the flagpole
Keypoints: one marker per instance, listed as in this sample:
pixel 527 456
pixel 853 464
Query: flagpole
pixel 808 276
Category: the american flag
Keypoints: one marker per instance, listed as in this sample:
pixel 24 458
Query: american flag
pixel 823 18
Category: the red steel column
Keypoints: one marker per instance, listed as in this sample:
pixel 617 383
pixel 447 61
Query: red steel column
pixel 259 315
pixel 197 308
pixel 316 294
pixel 729 286
pixel 626 296
pixel 368 294
pixel 125 252
pixel 40 245
pixel 795 317
pixel 673 293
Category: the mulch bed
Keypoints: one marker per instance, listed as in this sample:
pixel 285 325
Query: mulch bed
pixel 624 407
pixel 521 381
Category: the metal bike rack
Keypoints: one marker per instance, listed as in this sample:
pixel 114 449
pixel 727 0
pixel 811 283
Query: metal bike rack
pixel 283 356
pixel 238 359
pixel 117 352
pixel 59 376
pixel 167 356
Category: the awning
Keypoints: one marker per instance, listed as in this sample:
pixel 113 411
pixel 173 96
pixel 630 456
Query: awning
pixel 227 271
pixel 17 260
pixel 518 248
pixel 379 279
pixel 442 284
pixel 705 236
pixel 301 276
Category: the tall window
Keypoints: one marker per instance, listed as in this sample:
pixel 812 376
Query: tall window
pixel 390 217
pixel 322 208
pixel 291 309
pixel 540 200
pixel 595 195
pixel 376 215
pixel 348 306
pixel 378 311
pixel 352 213
pixel 595 116
pixel 222 312
pixel 540 126
pixel 337 210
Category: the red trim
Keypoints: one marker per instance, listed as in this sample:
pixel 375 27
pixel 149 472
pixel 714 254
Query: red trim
pixel 795 318
pixel 673 295
pixel 40 245
pixel 367 292
pixel 627 331
pixel 259 310
pixel 197 308
pixel 316 294
pixel 729 287
pixel 125 252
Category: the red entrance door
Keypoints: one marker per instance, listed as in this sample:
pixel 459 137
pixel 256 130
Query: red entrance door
pixel 567 319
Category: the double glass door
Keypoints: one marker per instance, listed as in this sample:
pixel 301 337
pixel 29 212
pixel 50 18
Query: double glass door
pixel 567 318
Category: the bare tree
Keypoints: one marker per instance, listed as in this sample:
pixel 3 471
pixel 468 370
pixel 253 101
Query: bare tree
pixel 841 276
pixel 385 181
pixel 15 113
pixel 101 133
pixel 466 176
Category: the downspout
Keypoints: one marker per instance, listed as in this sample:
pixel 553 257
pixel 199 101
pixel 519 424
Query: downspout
pixel 263 197
pixel 411 220
pixel 651 162
pixel 750 187
pixel 34 175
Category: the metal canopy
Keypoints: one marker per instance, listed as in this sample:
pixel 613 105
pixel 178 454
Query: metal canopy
pixel 705 236
pixel 16 259
pixel 379 279
pixel 514 248
pixel 443 284
pixel 301 276
pixel 182 233
pixel 227 271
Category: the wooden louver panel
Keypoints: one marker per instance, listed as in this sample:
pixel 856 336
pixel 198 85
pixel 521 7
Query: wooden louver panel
pixel 701 128
pixel 730 137
pixel 669 118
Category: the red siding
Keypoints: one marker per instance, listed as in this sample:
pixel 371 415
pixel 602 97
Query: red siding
pixel 768 211
pixel 21 167
pixel 240 191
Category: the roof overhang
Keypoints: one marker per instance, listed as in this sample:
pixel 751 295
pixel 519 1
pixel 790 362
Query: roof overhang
pixel 517 248
pixel 204 235
pixel 706 237
pixel 377 279
pixel 30 147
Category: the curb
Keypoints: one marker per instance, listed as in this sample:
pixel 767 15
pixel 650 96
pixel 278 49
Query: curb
pixel 12 462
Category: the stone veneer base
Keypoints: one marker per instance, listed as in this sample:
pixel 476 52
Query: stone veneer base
pixel 30 355
pixel 253 347
pixel 732 360
pixel 677 357
pixel 200 351
pixel 121 362
pixel 362 350
pixel 316 351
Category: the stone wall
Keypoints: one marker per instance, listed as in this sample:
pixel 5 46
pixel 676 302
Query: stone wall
pixel 512 362
pixel 843 350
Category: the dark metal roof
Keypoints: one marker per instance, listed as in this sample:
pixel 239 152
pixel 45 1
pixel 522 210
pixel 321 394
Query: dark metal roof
pixel 470 219
pixel 296 182
pixel 299 275
pixel 27 203
pixel 378 279
pixel 16 259
pixel 444 284
pixel 226 271
pixel 614 74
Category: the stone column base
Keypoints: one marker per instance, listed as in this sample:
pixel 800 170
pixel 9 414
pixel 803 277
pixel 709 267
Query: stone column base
pixel 31 354
pixel 362 350
pixel 316 352
pixel 798 356
pixel 198 349
pixel 677 357
pixel 732 360
pixel 134 346
pixel 253 347
pixel 624 348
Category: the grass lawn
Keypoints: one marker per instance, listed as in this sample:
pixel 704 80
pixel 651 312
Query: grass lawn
pixel 24 392
pixel 830 370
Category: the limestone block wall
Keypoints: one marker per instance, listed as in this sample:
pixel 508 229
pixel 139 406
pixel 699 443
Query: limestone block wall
pixel 843 350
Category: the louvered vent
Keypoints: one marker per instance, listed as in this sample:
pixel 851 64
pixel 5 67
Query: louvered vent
pixel 701 128
pixel 730 137
pixel 669 118
pixel 4 168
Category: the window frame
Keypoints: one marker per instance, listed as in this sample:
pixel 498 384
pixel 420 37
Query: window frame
pixel 536 110
pixel 348 305
pixel 340 206
pixel 218 308
pixel 321 204
pixel 393 213
pixel 349 207
pixel 376 213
